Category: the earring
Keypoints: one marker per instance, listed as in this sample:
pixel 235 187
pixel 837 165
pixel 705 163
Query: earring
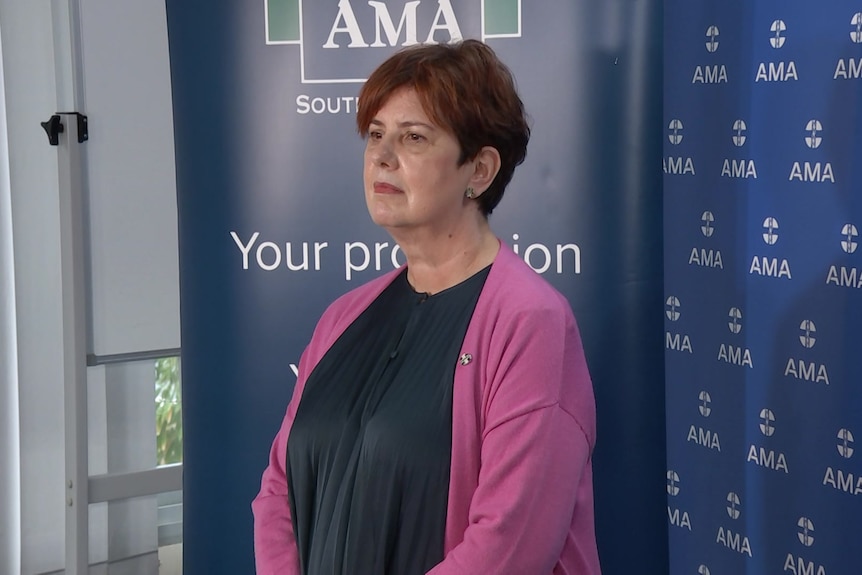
pixel 470 193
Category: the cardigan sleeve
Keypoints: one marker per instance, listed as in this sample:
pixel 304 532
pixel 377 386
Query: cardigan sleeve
pixel 275 550
pixel 537 437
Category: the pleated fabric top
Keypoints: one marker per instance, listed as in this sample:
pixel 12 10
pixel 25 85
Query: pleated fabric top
pixel 369 451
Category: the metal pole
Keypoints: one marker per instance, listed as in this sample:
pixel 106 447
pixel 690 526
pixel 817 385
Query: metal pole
pixel 72 179
pixel 72 254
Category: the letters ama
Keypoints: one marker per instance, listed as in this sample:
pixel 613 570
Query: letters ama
pixel 346 23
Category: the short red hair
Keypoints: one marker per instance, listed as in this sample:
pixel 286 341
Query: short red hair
pixel 465 89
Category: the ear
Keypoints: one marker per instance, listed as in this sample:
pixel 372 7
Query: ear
pixel 486 164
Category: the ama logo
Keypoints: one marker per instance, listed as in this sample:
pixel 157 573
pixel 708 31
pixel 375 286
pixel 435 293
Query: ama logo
pixel 676 517
pixel 807 370
pixel 770 266
pixel 703 257
pixel 699 435
pixel 777 71
pixel 840 479
pixel 733 354
pixel 675 341
pixel 846 276
pixel 342 41
pixel 677 165
pixel 739 168
pixel 851 68
pixel 812 171
pixel 710 73
pixel 797 564
pixel 729 538
pixel 761 456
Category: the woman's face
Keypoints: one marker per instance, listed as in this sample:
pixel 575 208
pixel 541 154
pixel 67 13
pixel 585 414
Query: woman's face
pixel 412 178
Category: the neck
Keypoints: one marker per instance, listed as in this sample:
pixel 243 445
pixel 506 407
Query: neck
pixel 436 264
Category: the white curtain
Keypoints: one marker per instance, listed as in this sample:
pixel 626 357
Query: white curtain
pixel 10 464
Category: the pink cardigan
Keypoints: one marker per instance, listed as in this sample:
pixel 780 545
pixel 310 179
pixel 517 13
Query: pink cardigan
pixel 523 431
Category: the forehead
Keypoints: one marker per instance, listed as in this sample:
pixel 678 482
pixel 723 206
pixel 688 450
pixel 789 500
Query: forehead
pixel 404 105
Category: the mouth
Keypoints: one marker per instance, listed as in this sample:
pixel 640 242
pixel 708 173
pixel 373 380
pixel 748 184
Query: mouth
pixel 384 188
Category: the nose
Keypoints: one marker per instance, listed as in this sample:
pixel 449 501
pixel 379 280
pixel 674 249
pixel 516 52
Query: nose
pixel 381 154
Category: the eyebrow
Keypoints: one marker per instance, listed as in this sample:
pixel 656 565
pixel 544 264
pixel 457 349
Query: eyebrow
pixel 407 124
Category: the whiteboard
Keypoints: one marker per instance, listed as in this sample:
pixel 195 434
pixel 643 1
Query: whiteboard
pixel 131 177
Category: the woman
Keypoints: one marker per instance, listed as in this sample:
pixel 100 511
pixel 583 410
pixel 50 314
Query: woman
pixel 443 419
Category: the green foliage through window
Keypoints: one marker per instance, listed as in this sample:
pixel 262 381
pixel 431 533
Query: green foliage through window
pixel 169 415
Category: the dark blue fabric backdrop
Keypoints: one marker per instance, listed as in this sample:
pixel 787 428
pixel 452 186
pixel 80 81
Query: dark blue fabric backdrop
pixel 762 118
pixel 265 160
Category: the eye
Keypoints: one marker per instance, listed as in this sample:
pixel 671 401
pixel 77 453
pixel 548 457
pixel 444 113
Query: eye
pixel 375 135
pixel 414 137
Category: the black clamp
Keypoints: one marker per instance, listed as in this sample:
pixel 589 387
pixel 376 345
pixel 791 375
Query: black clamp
pixel 54 127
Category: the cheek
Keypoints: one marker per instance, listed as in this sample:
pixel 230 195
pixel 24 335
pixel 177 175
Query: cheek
pixel 442 172
pixel 366 170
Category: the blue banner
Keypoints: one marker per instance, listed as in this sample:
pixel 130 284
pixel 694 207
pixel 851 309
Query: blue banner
pixel 273 225
pixel 763 286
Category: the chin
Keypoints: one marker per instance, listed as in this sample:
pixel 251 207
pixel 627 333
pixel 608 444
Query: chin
pixel 382 220
pixel 382 215
pixel 388 224
pixel 392 223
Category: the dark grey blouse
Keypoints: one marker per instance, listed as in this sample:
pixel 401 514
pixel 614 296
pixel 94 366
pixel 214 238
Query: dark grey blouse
pixel 369 451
